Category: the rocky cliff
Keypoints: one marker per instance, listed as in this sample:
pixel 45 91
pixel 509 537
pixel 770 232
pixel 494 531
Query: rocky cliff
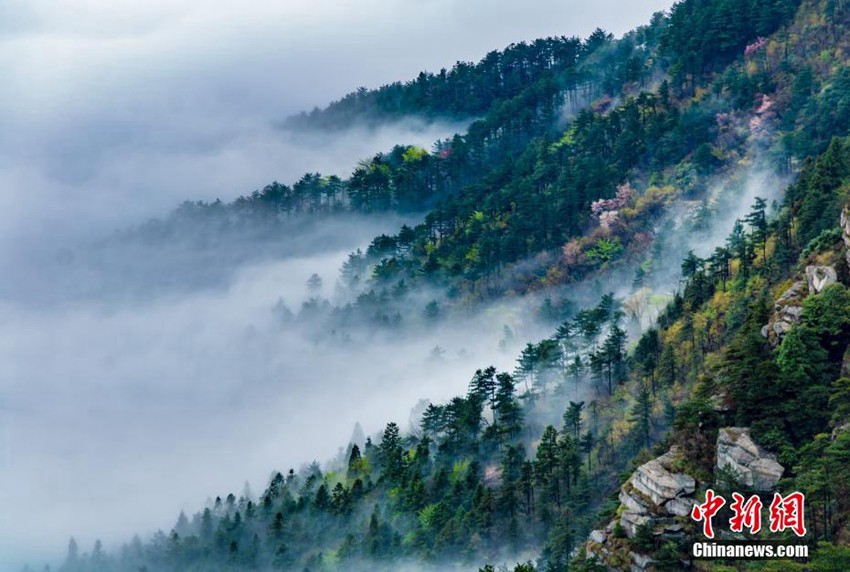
pixel 656 501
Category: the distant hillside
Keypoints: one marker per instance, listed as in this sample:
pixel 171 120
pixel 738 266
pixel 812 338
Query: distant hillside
pixel 467 90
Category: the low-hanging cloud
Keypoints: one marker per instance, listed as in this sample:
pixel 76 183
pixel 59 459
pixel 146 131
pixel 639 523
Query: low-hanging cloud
pixel 118 416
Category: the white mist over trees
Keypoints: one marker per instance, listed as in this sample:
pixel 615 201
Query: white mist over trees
pixel 105 397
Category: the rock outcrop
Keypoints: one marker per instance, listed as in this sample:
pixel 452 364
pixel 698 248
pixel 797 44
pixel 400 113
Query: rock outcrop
pixel 786 312
pixel 657 495
pixel 819 277
pixel 657 481
pixel 660 495
pixel 750 464
pixel 789 306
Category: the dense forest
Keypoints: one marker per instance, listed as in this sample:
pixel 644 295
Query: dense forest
pixel 583 162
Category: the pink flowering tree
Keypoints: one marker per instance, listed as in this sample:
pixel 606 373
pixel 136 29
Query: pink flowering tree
pixel 759 122
pixel 607 211
pixel 751 49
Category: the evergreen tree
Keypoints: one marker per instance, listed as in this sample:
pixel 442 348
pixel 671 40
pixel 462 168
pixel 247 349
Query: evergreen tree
pixel 572 418
pixel 757 219
pixel 508 412
pixel 641 415
pixel 391 454
pixel 546 464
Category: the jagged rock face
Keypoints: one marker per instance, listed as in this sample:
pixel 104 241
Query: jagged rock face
pixel 656 495
pixel 680 506
pixel 655 480
pixel 597 536
pixel 754 467
pixel 781 327
pixel 630 521
pixel 633 502
pixel 787 311
pixel 789 306
pixel 819 277
pixel 641 561
pixel 795 293
pixel 655 490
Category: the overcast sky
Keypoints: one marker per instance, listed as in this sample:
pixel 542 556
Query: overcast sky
pixel 114 111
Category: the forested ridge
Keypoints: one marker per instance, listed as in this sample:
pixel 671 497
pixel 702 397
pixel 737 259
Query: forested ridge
pixel 579 159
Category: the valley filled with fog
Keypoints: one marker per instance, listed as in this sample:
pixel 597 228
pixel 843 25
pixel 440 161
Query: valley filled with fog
pixel 137 379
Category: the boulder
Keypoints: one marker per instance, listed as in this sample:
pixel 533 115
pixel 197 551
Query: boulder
pixel 791 313
pixel 597 536
pixel 781 327
pixel 630 521
pixel 819 277
pixel 787 310
pixel 656 481
pixel 680 506
pixel 656 495
pixel 792 296
pixel 633 502
pixel 752 465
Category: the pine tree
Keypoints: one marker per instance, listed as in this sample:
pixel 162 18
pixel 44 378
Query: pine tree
pixel 72 559
pixel 558 550
pixel 757 219
pixel 546 464
pixel 641 415
pixel 355 464
pixel 508 412
pixel 483 385
pixel 719 265
pixel 391 454
pixel 569 459
pixel 572 418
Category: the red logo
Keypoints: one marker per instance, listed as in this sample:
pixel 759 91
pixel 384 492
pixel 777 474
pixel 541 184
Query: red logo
pixel 747 514
pixel 705 511
pixel 786 513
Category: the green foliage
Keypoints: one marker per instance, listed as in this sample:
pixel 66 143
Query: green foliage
pixel 828 238
pixel 644 540
pixel 704 35
pixel 605 250
pixel 819 118
pixel 818 195
pixel 466 90
pixel 828 316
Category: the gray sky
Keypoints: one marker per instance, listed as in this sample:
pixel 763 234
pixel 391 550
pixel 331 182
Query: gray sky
pixel 113 417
